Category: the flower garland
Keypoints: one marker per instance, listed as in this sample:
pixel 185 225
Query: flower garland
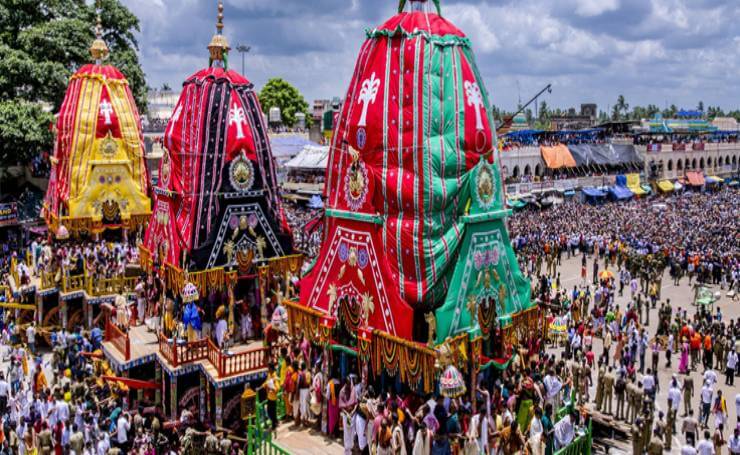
pixel 486 315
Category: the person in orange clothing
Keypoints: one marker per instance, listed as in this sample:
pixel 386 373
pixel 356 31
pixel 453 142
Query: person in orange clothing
pixel 707 351
pixel 695 348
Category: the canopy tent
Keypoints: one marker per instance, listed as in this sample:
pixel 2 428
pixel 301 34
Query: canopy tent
pixel 515 203
pixel 646 188
pixel 288 146
pixel 557 156
pixel 593 192
pixel 311 157
pixel 665 186
pixel 695 178
pixel 633 184
pixel 619 192
pixel 677 186
pixel 603 154
pixel 713 179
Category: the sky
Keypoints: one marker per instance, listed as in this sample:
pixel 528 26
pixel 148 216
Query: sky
pixel 651 51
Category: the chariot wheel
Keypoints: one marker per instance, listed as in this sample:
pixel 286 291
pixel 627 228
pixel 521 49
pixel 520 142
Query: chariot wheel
pixel 75 319
pixel 52 322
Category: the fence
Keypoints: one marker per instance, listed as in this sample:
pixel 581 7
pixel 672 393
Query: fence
pixel 118 338
pixel 259 437
pixel 205 349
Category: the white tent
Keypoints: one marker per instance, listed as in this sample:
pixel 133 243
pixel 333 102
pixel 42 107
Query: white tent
pixel 310 158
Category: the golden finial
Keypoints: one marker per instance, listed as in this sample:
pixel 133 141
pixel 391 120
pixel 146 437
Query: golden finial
pixel 219 46
pixel 99 50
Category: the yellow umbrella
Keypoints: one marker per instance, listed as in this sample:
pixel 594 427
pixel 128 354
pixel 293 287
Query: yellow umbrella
pixel 606 274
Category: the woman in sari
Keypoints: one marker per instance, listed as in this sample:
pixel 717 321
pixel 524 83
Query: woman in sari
pixel 332 404
pixel 683 364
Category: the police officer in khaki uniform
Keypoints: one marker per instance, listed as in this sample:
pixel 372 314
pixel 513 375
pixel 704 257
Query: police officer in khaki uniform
pixel 670 425
pixel 608 389
pixel 656 445
pixel 636 434
pixel 629 396
pixel 638 396
pixel 600 387
pixel 688 394
pixel 620 390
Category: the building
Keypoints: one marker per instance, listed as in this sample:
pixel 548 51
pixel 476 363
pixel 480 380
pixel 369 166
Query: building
pixel 573 120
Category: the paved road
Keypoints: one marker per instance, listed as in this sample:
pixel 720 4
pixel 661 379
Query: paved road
pixel 681 297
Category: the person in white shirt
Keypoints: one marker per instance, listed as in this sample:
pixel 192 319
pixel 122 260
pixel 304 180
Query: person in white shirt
pixel 706 403
pixel 31 337
pixel 4 394
pixel 122 427
pixel 710 376
pixel 104 444
pixel 674 394
pixel 552 387
pixel 705 446
pixel 733 444
pixel 730 369
pixel 565 431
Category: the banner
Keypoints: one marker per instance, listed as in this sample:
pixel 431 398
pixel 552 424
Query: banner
pixel 697 146
pixel 679 147
pixel 8 214
pixel 603 154
pixel 653 147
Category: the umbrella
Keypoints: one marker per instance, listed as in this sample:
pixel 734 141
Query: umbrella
pixel 558 325
pixel 451 383
pixel 606 274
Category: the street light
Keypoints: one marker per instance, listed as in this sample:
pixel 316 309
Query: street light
pixel 243 49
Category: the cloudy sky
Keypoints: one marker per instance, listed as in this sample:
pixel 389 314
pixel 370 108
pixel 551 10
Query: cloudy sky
pixel 652 51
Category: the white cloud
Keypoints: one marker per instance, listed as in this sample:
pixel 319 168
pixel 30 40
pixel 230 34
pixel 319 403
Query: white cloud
pixel 589 8
pixel 591 50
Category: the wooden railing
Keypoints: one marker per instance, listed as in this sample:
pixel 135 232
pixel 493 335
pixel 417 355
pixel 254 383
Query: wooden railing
pixel 192 351
pixel 225 364
pixel 167 349
pixel 47 280
pixel 72 283
pixel 254 359
pixel 118 338
pixel 107 286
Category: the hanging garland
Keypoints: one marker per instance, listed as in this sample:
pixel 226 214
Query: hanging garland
pixel 486 315
pixel 411 373
pixel 350 313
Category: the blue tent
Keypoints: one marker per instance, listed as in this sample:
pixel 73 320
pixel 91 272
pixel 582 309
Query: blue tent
pixel 593 192
pixel 619 192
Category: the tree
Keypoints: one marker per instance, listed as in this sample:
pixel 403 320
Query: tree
pixel 615 112
pixel 621 106
pixel 543 115
pixel 42 42
pixel 700 106
pixel 279 93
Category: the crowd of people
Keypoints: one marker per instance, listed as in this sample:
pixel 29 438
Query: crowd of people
pixel 697 235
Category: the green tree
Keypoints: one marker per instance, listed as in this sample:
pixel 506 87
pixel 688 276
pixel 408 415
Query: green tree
pixel 42 42
pixel 622 106
pixel 279 93
pixel 700 106
pixel 543 115
pixel 615 112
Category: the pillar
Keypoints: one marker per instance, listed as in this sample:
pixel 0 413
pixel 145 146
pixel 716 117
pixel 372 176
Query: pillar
pixel 219 418
pixel 63 313
pixel 262 273
pixel 159 380
pixel 173 397
pixel 205 404
pixel 39 308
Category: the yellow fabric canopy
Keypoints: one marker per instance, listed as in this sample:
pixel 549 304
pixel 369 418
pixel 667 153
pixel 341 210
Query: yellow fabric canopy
pixel 633 184
pixel 665 185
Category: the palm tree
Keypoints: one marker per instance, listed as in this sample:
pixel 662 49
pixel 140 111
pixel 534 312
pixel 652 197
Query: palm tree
pixel 621 105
